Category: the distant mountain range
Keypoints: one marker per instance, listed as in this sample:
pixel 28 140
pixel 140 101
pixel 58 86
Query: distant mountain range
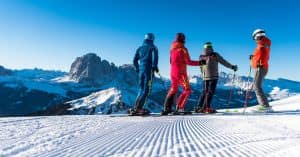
pixel 96 86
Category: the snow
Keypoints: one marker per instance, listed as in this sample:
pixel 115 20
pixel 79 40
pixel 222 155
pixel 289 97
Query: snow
pixel 290 104
pixel 111 100
pixel 193 135
pixel 277 94
pixel 104 97
pixel 44 86
pixel 242 83
pixel 11 85
pixel 38 74
pixel 35 79
pixel 63 79
pixel 152 136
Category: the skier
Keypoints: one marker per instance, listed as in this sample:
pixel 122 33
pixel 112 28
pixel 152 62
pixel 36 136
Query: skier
pixel 179 59
pixel 210 75
pixel 259 62
pixel 145 62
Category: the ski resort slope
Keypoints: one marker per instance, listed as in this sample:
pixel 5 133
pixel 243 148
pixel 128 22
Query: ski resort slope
pixel 191 135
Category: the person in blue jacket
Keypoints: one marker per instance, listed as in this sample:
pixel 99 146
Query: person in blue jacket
pixel 145 62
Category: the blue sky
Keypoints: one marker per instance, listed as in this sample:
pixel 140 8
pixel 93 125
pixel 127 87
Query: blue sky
pixel 50 34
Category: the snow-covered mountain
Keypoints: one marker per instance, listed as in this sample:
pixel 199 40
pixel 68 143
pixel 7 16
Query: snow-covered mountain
pixel 4 72
pixel 90 106
pixel 90 79
pixel 109 100
pixel 242 83
pixel 31 90
pixel 24 91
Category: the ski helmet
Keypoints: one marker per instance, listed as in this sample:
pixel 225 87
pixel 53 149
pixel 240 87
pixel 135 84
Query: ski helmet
pixel 258 33
pixel 180 37
pixel 149 36
pixel 207 45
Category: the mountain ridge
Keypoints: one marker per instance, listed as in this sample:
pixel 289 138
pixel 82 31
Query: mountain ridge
pixel 58 87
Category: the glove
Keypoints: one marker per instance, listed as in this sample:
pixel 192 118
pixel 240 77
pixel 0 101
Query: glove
pixel 259 66
pixel 202 62
pixel 234 67
pixel 137 70
pixel 156 69
pixel 250 57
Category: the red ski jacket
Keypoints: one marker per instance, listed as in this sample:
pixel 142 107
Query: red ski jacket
pixel 261 54
pixel 179 59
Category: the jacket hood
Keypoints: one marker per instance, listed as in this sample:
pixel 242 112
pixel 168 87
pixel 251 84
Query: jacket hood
pixel 264 42
pixel 176 45
pixel 148 42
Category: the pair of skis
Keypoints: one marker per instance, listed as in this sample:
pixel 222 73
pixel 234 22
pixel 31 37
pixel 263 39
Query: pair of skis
pixel 160 115
pixel 216 114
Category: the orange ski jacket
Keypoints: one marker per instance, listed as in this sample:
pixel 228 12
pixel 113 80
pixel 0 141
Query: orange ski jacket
pixel 261 54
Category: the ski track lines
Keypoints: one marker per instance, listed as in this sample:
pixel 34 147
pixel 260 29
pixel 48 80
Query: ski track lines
pixel 186 136
pixel 40 136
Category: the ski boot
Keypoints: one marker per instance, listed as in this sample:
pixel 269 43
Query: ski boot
pixel 168 105
pixel 264 108
pixel 178 111
pixel 181 111
pixel 144 112
pixel 165 112
pixel 199 110
pixel 139 112
pixel 209 110
pixel 132 111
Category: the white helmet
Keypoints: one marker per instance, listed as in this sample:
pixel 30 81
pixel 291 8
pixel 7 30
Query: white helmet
pixel 258 33
pixel 207 45
pixel 149 36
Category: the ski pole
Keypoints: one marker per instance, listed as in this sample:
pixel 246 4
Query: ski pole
pixel 205 86
pixel 231 89
pixel 163 82
pixel 248 90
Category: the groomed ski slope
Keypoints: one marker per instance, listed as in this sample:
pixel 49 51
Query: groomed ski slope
pixel 193 135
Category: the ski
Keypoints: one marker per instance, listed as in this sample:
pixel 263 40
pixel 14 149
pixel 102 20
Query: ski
pixel 135 115
pixel 218 113
pixel 181 113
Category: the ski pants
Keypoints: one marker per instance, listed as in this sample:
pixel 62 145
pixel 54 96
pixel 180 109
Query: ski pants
pixel 260 74
pixel 183 81
pixel 145 83
pixel 208 91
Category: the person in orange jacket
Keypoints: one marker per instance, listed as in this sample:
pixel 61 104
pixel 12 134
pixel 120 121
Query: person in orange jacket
pixel 179 59
pixel 259 62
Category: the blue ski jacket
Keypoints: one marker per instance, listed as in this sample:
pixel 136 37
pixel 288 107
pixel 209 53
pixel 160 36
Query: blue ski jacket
pixel 146 57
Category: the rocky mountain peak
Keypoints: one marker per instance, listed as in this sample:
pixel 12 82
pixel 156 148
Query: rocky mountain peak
pixel 4 72
pixel 89 68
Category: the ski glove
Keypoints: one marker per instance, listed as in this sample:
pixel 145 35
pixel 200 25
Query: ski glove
pixel 234 67
pixel 202 62
pixel 250 57
pixel 156 69
pixel 259 66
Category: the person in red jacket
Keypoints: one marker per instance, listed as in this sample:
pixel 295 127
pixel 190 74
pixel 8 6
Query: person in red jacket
pixel 259 62
pixel 179 59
